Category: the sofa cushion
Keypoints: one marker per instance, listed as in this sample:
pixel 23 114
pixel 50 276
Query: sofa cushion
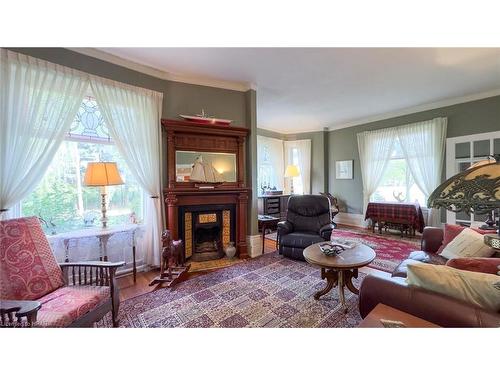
pixel 28 268
pixel 63 306
pixel 479 289
pixel 300 239
pixel 453 230
pixel 416 257
pixel 485 265
pixel 467 244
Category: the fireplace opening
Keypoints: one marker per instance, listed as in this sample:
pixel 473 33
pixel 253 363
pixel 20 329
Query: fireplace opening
pixel 207 238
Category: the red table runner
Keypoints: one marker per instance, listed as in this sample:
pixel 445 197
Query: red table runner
pixel 410 213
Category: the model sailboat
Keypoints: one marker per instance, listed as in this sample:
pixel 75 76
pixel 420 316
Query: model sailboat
pixel 204 172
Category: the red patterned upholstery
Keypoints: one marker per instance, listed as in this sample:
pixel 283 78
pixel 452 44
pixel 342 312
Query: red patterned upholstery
pixel 63 306
pixel 28 268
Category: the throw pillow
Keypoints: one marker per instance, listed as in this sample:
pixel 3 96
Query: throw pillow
pixel 453 230
pixel 485 265
pixel 480 289
pixel 467 244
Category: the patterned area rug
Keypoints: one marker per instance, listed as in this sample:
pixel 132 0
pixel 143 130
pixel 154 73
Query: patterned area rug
pixel 390 252
pixel 390 249
pixel 268 291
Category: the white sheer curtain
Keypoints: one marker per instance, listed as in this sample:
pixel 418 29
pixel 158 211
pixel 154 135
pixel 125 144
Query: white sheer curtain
pixel 375 148
pixel 38 102
pixel 423 145
pixel 303 147
pixel 270 164
pixel 133 115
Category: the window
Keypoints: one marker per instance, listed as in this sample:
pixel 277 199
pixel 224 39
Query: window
pixel 461 153
pixel 397 184
pixel 61 201
pixel 298 187
pixel 270 168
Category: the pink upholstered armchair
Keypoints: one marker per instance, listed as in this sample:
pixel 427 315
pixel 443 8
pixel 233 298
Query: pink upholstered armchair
pixel 68 294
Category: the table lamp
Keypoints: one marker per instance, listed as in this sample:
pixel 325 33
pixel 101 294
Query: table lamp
pixel 102 174
pixel 475 190
pixel 292 171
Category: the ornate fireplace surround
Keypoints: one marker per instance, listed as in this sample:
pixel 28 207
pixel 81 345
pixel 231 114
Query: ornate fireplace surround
pixel 188 197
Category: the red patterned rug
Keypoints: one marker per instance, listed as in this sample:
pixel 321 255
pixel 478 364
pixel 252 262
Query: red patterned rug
pixel 267 291
pixel 390 252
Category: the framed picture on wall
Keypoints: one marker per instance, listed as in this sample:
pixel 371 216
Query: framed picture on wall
pixel 343 169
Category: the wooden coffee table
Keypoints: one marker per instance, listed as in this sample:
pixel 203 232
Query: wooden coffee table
pixel 339 269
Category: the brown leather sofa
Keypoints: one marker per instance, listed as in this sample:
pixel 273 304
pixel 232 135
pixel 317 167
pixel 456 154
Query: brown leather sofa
pixel 436 308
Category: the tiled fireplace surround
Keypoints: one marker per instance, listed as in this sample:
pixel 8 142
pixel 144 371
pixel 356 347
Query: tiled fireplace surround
pixel 206 230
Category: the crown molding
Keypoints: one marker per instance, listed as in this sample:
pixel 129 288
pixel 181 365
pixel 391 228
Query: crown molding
pixel 419 108
pixel 149 70
pixel 300 131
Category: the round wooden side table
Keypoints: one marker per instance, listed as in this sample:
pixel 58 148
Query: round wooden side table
pixel 338 270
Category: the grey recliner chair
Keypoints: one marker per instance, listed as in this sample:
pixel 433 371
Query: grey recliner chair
pixel 308 221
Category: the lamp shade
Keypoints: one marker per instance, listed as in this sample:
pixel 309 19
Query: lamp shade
pixel 477 190
pixel 102 174
pixel 292 171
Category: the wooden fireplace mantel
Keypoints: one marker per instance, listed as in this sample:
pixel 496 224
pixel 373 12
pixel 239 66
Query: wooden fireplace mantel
pixel 189 136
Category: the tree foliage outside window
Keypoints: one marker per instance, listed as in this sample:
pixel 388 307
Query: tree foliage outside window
pixel 62 202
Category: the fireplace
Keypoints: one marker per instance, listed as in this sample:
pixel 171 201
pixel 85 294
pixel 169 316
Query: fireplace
pixel 187 201
pixel 206 230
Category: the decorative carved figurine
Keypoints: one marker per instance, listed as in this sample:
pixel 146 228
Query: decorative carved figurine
pixel 172 267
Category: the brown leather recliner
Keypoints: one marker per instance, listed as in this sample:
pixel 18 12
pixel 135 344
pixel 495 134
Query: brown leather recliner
pixel 433 307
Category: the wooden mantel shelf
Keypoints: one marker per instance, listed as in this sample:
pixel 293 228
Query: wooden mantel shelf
pixel 194 127
pixel 201 191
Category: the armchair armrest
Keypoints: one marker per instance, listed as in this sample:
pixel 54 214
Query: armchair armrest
pixel 90 273
pixel 433 307
pixel 18 309
pixel 326 231
pixel 284 227
pixel 92 264
pixel 432 239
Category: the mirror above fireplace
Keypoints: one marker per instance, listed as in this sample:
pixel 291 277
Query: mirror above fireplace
pixel 224 163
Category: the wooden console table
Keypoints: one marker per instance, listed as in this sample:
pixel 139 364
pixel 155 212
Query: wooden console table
pixel 406 217
pixel 267 222
pixel 103 235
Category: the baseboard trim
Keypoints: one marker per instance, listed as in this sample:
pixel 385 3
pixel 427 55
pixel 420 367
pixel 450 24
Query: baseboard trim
pixel 355 220
pixel 254 245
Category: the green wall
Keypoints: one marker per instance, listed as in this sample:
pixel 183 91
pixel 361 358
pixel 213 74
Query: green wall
pixel 479 116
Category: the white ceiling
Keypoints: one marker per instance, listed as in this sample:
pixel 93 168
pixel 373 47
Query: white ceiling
pixel 306 89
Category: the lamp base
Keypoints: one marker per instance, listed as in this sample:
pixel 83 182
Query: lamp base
pixel 489 224
pixel 104 219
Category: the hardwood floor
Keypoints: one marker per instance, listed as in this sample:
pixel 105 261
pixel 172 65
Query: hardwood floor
pixel 130 290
